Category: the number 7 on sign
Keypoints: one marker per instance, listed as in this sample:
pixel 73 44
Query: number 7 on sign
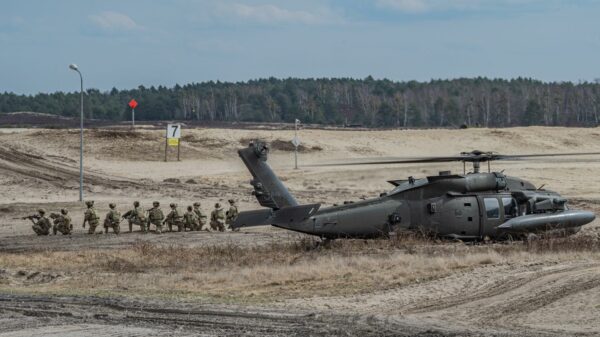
pixel 174 131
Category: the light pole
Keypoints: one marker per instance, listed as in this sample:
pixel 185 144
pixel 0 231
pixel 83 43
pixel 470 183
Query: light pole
pixel 74 67
pixel 296 142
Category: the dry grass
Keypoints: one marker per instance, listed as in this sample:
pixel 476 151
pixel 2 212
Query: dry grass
pixel 280 270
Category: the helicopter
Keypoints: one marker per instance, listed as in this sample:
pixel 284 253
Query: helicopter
pixel 470 206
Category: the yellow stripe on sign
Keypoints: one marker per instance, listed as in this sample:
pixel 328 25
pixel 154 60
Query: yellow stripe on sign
pixel 173 141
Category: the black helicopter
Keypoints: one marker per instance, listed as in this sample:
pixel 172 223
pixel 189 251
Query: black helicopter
pixel 471 206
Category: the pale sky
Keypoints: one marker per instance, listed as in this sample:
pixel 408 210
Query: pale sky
pixel 127 43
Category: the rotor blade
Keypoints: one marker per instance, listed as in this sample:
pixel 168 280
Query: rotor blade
pixel 537 155
pixel 395 161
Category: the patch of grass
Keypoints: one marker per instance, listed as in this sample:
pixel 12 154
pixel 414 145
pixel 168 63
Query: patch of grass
pixel 305 266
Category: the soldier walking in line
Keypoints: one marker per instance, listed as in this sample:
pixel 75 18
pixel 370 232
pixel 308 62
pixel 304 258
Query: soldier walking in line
pixel 156 217
pixel 62 222
pixel 91 217
pixel 190 220
pixel 232 213
pixel 174 218
pixel 112 220
pixel 217 218
pixel 41 224
pixel 201 216
pixel 136 216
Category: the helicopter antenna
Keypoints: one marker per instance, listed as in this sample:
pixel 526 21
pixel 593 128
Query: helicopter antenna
pixel 539 188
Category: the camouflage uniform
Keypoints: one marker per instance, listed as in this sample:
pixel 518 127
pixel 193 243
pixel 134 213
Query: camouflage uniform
pixel 136 216
pixel 42 225
pixel 156 216
pixel 62 222
pixel 91 217
pixel 217 218
pixel 200 215
pixel 112 220
pixel 232 213
pixel 190 220
pixel 174 218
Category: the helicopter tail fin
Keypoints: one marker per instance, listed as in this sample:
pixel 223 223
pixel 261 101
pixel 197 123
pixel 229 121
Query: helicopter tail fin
pixel 268 189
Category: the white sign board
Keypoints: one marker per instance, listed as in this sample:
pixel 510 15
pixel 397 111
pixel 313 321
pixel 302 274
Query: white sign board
pixel 296 141
pixel 174 131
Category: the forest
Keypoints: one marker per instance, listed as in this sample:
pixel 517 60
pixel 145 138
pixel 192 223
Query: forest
pixel 343 101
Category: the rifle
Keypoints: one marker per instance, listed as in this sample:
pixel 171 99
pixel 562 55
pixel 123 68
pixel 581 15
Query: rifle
pixel 31 217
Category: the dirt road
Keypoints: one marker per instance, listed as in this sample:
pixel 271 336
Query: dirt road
pixel 76 316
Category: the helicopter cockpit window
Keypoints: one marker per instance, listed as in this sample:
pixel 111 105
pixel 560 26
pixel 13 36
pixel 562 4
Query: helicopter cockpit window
pixel 510 207
pixel 492 208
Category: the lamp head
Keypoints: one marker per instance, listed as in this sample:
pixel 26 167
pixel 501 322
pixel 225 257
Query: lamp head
pixel 73 66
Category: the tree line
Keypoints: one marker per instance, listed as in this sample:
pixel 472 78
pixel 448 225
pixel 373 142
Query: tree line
pixel 343 101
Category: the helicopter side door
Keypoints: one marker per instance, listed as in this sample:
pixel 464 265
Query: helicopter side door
pixel 459 216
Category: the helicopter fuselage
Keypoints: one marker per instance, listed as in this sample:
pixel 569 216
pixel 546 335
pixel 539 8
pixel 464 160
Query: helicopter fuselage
pixel 471 206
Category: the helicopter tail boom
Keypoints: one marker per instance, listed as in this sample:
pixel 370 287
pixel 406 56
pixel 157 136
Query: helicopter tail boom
pixel 287 217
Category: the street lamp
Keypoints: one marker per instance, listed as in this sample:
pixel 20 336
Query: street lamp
pixel 74 67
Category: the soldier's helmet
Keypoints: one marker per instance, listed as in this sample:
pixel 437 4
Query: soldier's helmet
pixel 41 211
pixel 197 204
pixel 156 204
pixel 217 205
pixel 112 205
pixel 172 205
pixel 64 211
pixel 189 208
pixel 136 203
pixel 231 201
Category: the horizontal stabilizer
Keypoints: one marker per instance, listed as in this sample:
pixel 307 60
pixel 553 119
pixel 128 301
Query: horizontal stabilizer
pixel 292 215
pixel 252 218
pixel 283 217
pixel 543 221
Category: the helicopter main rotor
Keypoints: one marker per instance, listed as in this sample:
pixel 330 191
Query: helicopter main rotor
pixel 475 157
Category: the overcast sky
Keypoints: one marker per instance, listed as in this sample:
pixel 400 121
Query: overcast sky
pixel 126 43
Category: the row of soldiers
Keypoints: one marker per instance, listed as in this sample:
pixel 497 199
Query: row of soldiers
pixel 193 220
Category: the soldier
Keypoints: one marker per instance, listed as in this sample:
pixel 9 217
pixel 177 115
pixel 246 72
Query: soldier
pixel 62 222
pixel 200 215
pixel 174 218
pixel 217 218
pixel 156 216
pixel 232 213
pixel 190 220
pixel 112 220
pixel 91 217
pixel 136 216
pixel 41 224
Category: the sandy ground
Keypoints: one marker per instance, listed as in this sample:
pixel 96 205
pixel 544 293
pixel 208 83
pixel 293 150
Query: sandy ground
pixel 541 295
